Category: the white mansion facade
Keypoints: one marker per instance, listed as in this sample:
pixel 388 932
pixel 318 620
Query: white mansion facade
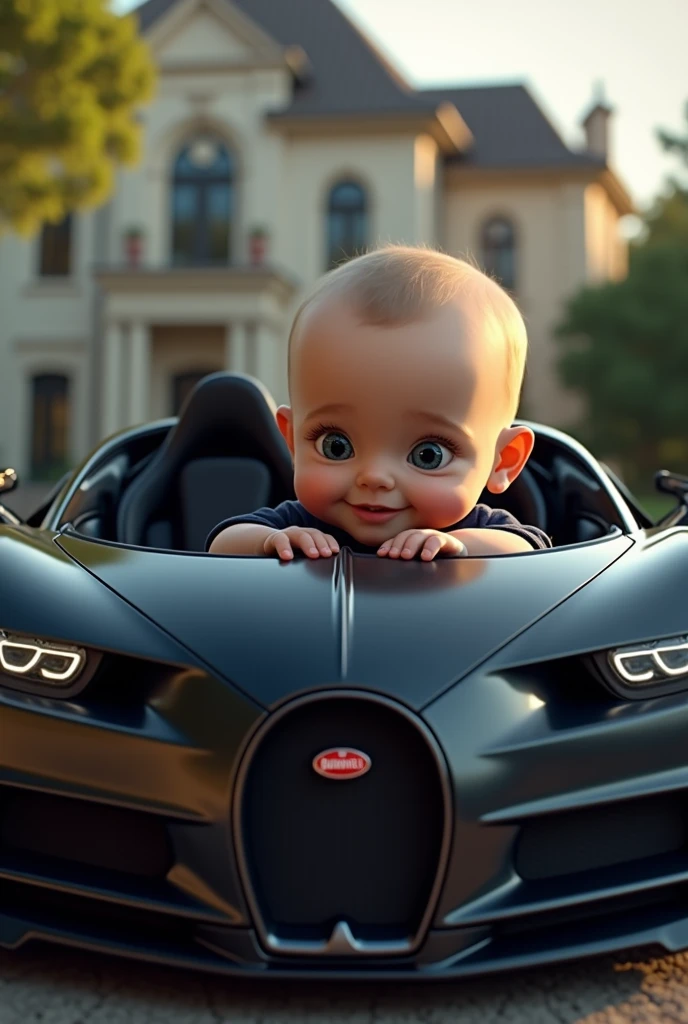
pixel 280 142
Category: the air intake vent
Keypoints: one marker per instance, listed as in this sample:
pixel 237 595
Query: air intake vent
pixel 82 832
pixel 600 837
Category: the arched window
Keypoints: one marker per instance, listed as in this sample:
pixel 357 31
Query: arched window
pixel 55 249
pixel 202 204
pixel 50 426
pixel 347 222
pixel 499 251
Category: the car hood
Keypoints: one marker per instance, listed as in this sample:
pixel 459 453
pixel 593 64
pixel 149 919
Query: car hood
pixel 406 629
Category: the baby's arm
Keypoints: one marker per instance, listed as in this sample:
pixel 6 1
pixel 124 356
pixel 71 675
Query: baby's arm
pixel 241 539
pixel 492 541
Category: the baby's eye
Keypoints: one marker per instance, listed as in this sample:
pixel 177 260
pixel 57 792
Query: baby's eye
pixel 430 455
pixel 335 446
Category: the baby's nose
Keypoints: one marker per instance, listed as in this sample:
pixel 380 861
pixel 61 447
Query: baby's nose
pixel 373 475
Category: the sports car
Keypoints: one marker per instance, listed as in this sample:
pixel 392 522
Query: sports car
pixel 344 767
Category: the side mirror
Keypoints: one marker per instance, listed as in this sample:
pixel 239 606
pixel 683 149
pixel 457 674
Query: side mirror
pixel 8 480
pixel 674 484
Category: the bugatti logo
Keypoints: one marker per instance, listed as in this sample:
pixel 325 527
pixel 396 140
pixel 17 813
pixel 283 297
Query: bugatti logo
pixel 341 763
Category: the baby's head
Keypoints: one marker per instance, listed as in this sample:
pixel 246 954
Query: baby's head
pixel 405 370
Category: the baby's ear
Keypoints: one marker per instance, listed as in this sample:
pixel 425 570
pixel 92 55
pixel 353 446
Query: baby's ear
pixel 513 451
pixel 285 422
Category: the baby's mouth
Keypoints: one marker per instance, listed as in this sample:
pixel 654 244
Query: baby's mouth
pixel 375 513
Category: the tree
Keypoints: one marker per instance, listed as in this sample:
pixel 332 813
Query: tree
pixel 667 221
pixel 72 75
pixel 625 346
pixel 627 353
pixel 675 143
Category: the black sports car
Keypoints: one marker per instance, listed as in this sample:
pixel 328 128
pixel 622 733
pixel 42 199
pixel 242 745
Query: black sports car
pixel 343 767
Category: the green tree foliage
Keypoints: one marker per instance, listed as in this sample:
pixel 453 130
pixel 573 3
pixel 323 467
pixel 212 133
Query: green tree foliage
pixel 625 346
pixel 676 143
pixel 72 75
pixel 667 221
pixel 627 353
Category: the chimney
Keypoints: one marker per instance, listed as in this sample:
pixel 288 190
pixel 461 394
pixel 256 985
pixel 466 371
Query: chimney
pixel 596 125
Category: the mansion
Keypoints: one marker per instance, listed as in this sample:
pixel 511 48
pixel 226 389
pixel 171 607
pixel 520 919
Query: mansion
pixel 279 143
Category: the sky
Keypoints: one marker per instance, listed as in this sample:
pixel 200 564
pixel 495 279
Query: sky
pixel 638 49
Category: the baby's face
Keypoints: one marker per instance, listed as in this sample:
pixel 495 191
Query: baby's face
pixel 395 427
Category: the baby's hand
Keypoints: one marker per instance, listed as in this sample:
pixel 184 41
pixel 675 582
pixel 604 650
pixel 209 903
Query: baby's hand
pixel 312 542
pixel 427 543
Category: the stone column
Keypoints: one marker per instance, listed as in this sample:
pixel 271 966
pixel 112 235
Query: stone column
pixel 265 355
pixel 139 373
pixel 229 359
pixel 237 356
pixel 113 362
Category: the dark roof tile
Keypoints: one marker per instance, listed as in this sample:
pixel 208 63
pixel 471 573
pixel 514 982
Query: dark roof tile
pixel 509 127
pixel 349 76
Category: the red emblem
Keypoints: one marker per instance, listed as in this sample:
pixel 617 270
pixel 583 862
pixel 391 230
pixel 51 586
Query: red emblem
pixel 341 763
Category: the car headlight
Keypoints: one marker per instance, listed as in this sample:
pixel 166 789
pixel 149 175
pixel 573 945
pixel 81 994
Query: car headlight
pixel 42 665
pixel 654 662
pixel 659 665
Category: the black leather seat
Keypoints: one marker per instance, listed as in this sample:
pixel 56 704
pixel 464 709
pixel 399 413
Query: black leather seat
pixel 523 499
pixel 225 457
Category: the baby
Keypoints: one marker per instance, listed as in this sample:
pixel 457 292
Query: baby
pixel 405 369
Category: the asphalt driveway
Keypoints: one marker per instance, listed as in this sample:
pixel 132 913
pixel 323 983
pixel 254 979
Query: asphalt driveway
pixel 59 986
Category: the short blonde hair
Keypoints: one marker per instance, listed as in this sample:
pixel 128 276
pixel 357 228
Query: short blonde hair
pixel 398 284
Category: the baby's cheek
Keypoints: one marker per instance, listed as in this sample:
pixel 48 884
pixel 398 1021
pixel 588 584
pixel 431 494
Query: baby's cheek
pixel 439 503
pixel 316 488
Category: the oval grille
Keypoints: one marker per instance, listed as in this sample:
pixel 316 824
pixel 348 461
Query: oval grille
pixel 319 852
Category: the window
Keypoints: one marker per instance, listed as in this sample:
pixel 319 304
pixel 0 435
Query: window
pixel 182 386
pixel 50 426
pixel 202 204
pixel 499 251
pixel 55 254
pixel 347 222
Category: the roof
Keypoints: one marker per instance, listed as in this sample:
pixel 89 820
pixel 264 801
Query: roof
pixel 510 129
pixel 351 77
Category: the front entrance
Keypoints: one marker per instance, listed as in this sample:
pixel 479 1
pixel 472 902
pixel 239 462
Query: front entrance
pixel 50 426
pixel 182 386
pixel 180 357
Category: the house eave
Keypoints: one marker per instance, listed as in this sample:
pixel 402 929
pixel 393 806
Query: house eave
pixel 120 280
pixel 617 192
pixel 457 174
pixel 223 67
pixel 444 124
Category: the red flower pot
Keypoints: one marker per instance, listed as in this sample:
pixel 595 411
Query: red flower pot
pixel 134 249
pixel 258 246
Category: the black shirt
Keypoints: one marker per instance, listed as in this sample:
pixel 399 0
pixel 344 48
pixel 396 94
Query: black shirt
pixel 292 513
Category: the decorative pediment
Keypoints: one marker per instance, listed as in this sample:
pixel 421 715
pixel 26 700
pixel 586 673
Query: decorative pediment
pixel 211 33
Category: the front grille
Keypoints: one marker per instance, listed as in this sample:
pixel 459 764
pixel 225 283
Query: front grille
pixel 365 851
pixel 601 837
pixel 80 832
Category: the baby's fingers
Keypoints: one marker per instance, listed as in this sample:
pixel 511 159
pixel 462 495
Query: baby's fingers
pixel 432 546
pixel 313 543
pixel 325 544
pixel 279 543
pixel 450 545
